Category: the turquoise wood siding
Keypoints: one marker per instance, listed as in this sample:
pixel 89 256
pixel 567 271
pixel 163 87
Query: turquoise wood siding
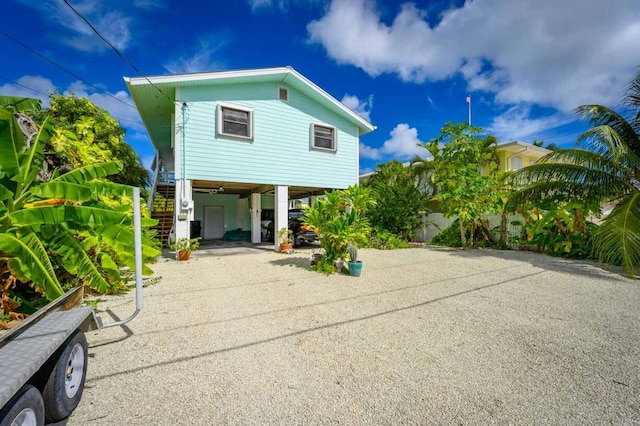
pixel 280 152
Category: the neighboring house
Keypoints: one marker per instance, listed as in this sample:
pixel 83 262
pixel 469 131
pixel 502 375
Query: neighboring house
pixel 512 155
pixel 516 155
pixel 233 147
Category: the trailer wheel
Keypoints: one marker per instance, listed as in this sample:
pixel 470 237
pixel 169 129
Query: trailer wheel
pixel 24 409
pixel 63 389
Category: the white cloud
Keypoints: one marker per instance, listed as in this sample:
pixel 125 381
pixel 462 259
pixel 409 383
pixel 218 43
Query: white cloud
pixel 515 124
pixel 201 60
pixel 557 54
pixel 40 88
pixel 402 145
pixel 368 152
pixel 362 108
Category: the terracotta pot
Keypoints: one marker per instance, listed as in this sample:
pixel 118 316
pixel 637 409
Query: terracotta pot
pixel 285 247
pixel 184 255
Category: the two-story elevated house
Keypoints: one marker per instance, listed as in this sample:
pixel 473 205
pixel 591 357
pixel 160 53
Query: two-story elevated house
pixel 232 147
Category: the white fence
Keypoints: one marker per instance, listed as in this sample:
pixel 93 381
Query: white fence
pixel 435 222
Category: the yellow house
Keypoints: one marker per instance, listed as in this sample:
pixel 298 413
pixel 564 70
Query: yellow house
pixel 516 155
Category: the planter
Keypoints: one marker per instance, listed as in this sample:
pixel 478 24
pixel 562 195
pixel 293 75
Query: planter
pixel 355 268
pixel 285 247
pixel 339 264
pixel 184 255
pixel 315 258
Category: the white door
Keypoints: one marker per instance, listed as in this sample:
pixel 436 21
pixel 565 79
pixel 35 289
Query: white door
pixel 213 223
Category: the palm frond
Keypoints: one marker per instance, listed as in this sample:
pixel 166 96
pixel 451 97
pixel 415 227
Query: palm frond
pixel 617 240
pixel 598 115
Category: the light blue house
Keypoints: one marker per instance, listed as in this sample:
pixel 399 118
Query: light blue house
pixel 233 147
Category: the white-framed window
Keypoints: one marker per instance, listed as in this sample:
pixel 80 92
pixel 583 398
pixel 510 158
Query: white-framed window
pixel 516 163
pixel 235 121
pixel 283 94
pixel 324 137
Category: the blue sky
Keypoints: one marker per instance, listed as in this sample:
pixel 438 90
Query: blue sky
pixel 407 67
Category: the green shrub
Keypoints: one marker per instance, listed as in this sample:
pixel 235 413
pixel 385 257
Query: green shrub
pixel 384 240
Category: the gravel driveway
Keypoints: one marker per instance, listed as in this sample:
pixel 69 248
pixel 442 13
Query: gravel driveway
pixel 425 336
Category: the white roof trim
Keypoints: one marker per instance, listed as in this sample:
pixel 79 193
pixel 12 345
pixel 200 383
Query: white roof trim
pixel 286 72
pixel 523 145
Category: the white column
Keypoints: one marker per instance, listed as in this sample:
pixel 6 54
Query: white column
pixel 256 213
pixel 312 200
pixel 281 213
pixel 184 208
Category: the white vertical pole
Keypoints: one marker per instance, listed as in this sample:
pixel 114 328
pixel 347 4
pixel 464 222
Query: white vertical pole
pixel 256 209
pixel 469 98
pixel 137 245
pixel 281 219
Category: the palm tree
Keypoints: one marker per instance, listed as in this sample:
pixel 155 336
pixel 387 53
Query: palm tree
pixel 604 168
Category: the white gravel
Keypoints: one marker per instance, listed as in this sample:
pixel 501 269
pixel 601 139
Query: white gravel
pixel 425 336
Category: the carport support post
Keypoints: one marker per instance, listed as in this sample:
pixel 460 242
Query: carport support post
pixel 183 208
pixel 281 213
pixel 256 215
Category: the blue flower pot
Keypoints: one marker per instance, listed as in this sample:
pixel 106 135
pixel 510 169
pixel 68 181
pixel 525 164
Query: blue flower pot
pixel 355 268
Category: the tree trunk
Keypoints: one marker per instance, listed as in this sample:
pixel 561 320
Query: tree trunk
pixel 503 229
pixel 462 236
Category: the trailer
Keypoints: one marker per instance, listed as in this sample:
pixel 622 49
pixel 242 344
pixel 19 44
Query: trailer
pixel 43 361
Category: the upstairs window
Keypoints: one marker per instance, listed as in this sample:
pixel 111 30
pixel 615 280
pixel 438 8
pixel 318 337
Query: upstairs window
pixel 323 137
pixel 236 122
pixel 283 94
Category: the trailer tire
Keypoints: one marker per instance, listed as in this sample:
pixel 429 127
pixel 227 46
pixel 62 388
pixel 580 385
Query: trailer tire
pixel 63 390
pixel 25 408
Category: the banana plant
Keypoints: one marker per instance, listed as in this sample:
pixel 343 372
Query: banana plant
pixel 47 227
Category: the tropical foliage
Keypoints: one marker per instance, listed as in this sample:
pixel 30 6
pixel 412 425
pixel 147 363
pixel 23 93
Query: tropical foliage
pixel 400 202
pixel 339 219
pixel 86 134
pixel 55 233
pixel 604 168
pixel 454 171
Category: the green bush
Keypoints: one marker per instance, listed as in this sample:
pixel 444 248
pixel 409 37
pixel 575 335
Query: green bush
pixel 384 240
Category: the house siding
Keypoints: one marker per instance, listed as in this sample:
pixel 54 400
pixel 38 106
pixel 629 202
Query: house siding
pixel 279 153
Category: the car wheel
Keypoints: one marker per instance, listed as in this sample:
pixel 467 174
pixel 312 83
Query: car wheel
pixel 63 390
pixel 24 409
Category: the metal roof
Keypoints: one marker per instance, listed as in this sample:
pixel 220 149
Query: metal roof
pixel 155 98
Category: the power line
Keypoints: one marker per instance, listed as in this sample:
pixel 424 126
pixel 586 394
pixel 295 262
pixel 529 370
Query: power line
pixel 46 95
pixel 35 52
pixel 115 49
pixel 22 85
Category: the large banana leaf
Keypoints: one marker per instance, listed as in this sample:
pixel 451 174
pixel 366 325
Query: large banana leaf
pixel 121 239
pixel 103 187
pixel 31 262
pixel 5 193
pixel 82 215
pixel 76 261
pixel 12 143
pixel 83 175
pixel 20 104
pixel 62 190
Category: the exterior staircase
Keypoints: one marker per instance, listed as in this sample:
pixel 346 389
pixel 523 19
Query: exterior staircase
pixel 162 209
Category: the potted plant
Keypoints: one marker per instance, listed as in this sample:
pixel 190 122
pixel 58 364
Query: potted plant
pixel 355 265
pixel 284 238
pixel 184 246
pixel 339 220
